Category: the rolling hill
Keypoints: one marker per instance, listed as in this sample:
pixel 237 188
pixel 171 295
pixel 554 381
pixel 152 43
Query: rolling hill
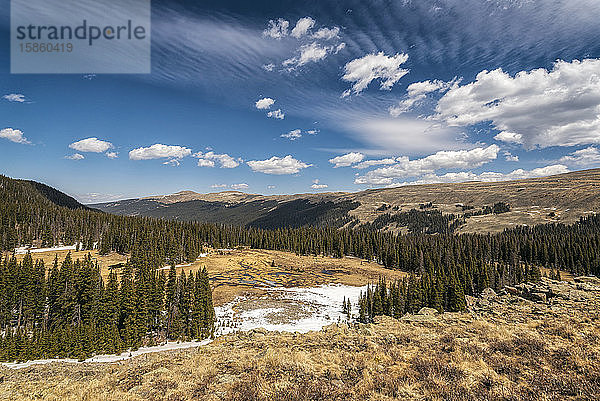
pixel 563 198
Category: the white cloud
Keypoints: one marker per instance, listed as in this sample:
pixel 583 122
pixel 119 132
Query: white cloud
pixel 302 27
pixel 208 160
pixel 112 155
pixel 362 71
pixel 347 159
pixel 509 137
pixel 587 157
pixel 268 67
pixel 205 163
pixel 371 163
pixel 327 33
pixel 418 91
pixel 278 165
pixel 538 108
pixel 292 135
pixel 93 145
pixel 13 135
pixel 317 185
pixel 264 103
pixel 95 197
pixel 312 131
pixel 277 114
pixel 237 187
pixel 160 151
pixel 311 53
pixel 15 97
pixel 75 156
pixel 488 176
pixel 402 135
pixel 509 157
pixel 277 29
pixel 271 187
pixel 462 159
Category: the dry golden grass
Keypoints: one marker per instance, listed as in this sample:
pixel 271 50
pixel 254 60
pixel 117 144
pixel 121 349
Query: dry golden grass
pixel 515 350
pixel 234 273
pixel 103 260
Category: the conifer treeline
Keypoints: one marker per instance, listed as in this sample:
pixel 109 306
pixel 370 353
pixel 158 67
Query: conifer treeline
pixel 70 312
pixel 26 216
pixel 444 291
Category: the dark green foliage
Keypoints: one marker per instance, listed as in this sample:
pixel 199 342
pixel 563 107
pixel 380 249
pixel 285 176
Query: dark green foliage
pixel 302 212
pixel 419 221
pixel 71 313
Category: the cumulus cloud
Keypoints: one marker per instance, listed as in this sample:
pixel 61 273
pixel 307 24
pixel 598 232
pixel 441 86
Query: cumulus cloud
pixel 292 135
pixel 312 131
pixel 462 159
pixel 587 157
pixel 93 145
pixel 347 160
pixel 317 185
pixel 75 156
pixel 159 151
pixel 277 114
pixel 15 97
pixel 208 159
pixel 308 53
pixel 488 176
pixel 371 163
pixel 362 71
pixel 509 137
pixel 538 108
pixel 13 135
pixel 268 67
pixel 509 157
pixel 278 165
pixel 112 155
pixel 271 187
pixel 264 103
pixel 218 186
pixel 277 29
pixel 237 187
pixel 302 27
pixel 327 33
pixel 418 91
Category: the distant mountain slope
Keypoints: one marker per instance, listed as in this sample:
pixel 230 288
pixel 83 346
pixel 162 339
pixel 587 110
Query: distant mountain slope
pixel 563 197
pixel 55 196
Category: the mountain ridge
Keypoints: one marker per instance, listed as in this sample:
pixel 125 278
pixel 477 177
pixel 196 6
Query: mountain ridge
pixel 568 196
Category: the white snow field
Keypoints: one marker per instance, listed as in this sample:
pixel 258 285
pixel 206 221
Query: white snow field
pixel 24 249
pixel 288 309
pixel 280 309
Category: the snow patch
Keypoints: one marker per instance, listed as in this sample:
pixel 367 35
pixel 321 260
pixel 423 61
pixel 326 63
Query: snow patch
pixel 288 309
pixel 170 346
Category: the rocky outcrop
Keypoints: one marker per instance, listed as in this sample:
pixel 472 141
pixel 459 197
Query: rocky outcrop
pixel 545 291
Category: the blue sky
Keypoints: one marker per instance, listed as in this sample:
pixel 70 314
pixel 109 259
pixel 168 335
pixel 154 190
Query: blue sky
pixel 372 94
